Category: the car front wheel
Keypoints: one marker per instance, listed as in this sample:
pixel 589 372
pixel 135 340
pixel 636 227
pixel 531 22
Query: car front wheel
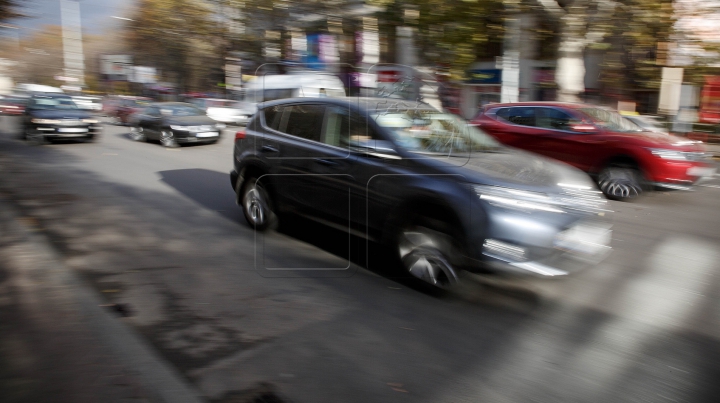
pixel 424 254
pixel 620 182
pixel 167 139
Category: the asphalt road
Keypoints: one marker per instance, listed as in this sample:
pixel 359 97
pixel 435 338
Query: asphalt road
pixel 158 230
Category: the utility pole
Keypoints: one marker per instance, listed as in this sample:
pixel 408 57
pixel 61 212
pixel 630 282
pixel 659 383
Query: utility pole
pixel 72 41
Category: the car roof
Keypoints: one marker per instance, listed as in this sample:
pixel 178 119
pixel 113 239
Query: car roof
pixel 367 103
pixel 172 104
pixel 572 105
pixel 51 95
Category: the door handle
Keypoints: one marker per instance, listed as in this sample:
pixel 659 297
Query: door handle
pixel 268 149
pixel 323 161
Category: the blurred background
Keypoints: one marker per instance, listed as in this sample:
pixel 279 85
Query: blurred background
pixel 481 51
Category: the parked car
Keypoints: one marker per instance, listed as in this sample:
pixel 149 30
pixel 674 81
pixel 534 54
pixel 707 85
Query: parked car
pixel 128 107
pixel 55 116
pixel 224 110
pixel 623 158
pixel 445 195
pixel 12 106
pixel 175 123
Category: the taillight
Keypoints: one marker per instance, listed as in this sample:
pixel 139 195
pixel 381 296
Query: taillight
pixel 240 135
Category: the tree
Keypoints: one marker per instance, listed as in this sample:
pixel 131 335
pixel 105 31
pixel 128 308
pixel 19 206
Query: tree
pixel 10 9
pixel 165 34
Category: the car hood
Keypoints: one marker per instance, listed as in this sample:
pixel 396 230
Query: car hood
pixel 190 120
pixel 516 168
pixel 59 114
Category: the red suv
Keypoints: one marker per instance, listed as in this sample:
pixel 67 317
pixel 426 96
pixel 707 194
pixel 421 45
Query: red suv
pixel 622 157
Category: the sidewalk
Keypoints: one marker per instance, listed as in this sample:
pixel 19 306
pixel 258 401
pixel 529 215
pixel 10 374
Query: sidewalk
pixel 57 342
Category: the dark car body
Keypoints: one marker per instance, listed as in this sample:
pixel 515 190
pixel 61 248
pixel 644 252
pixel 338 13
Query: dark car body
pixel 175 123
pixel 621 155
pixel 55 116
pixel 486 207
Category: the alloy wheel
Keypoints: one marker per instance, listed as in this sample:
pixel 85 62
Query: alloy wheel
pixel 256 206
pixel 167 139
pixel 423 257
pixel 620 183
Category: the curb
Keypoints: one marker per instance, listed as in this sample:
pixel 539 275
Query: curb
pixel 160 378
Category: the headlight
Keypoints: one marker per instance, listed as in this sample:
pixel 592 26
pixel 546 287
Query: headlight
pixel 185 128
pixel 46 121
pixel 516 199
pixel 668 154
pixel 220 125
pixel 89 121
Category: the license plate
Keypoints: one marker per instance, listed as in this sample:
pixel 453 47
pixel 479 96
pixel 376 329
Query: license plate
pixel 73 130
pixel 700 171
pixel 207 134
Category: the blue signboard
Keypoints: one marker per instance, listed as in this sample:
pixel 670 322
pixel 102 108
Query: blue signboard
pixel 485 76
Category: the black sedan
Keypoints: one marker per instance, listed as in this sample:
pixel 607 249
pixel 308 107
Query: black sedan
pixel 443 194
pixel 55 116
pixel 173 124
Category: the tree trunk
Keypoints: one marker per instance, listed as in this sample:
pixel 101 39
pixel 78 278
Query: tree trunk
pixel 570 72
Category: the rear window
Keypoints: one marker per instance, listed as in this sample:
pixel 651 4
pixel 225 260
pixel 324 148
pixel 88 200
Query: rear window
pixel 273 115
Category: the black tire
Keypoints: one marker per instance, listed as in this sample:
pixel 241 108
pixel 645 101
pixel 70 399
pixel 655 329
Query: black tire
pixel 138 134
pixel 167 139
pixel 425 253
pixel 257 205
pixel 35 137
pixel 622 182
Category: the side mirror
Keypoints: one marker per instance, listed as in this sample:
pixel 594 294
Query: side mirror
pixel 374 148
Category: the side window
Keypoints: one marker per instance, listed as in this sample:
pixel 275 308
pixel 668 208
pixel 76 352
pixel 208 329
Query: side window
pixel 551 118
pixel 305 121
pixel 273 115
pixel 344 127
pixel 153 111
pixel 521 115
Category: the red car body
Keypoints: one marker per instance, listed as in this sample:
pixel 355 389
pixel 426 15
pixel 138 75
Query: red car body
pixel 586 137
pixel 12 106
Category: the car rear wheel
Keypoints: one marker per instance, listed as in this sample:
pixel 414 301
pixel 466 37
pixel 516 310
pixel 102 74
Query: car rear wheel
pixel 620 182
pixel 256 205
pixel 138 134
pixel 424 254
pixel 167 139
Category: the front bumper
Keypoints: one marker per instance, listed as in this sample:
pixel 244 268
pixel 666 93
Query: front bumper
pixel 555 254
pixel 682 175
pixel 64 131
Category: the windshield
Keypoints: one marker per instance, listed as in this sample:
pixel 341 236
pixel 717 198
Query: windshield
pixel 54 103
pixel 434 132
pixel 181 110
pixel 610 120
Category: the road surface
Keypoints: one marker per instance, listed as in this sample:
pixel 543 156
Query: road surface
pixel 158 230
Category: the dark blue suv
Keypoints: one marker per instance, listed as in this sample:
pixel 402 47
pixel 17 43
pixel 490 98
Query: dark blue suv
pixel 443 193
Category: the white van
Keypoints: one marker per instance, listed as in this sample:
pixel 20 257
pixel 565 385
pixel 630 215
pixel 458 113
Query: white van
pixel 29 89
pixel 294 85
